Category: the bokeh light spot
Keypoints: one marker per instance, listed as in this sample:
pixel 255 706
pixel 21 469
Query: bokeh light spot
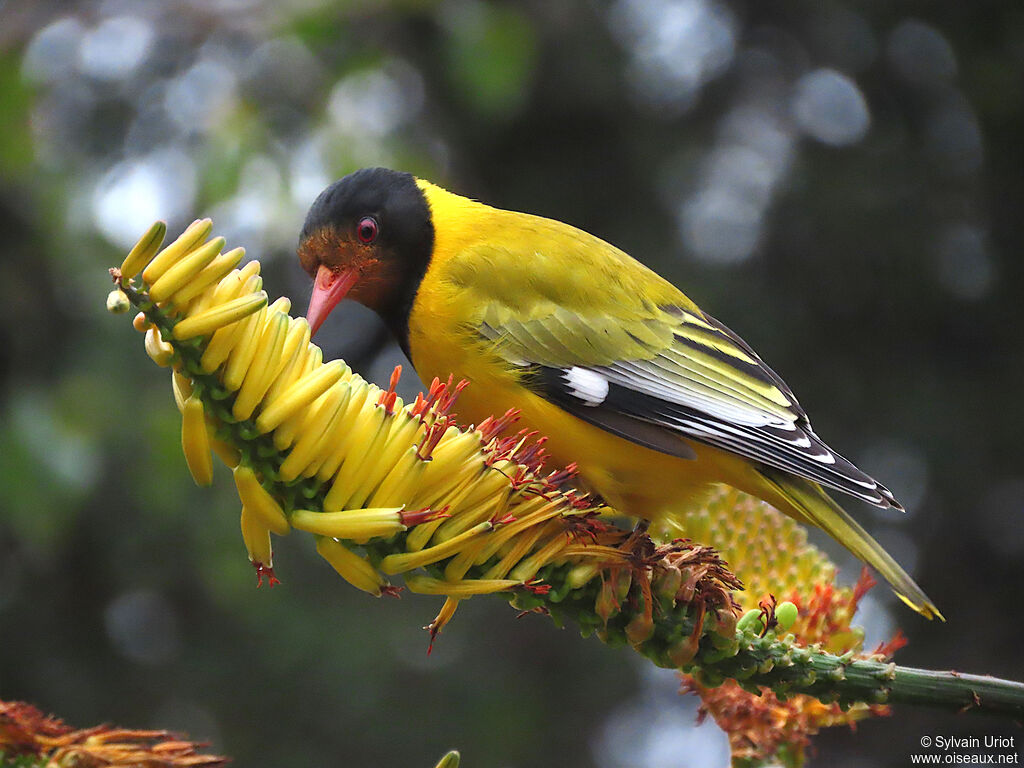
pixel 115 48
pixel 51 55
pixel 133 194
pixel 829 107
pixel 676 46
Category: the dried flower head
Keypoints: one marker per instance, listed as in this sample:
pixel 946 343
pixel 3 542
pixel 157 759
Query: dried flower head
pixel 25 731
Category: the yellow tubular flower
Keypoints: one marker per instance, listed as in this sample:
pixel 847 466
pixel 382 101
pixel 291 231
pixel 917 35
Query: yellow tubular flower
pixel 282 305
pixel 226 452
pixel 323 449
pixel 300 394
pixel 287 432
pixel 256 499
pixel 396 487
pixel 225 314
pixel 185 270
pixel 527 568
pixel 212 273
pixel 326 411
pixel 257 539
pixel 266 362
pixel 241 357
pixel 350 566
pixel 293 357
pixel 425 585
pixel 195 442
pixel 407 561
pixel 547 511
pixel 346 481
pixel 393 445
pixel 195 234
pixel 182 388
pixel 363 426
pixel 159 351
pixel 519 549
pixel 358 524
pixel 143 251
pixel 221 343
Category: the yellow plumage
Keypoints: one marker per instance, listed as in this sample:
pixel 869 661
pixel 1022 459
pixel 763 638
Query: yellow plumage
pixel 654 400
pixel 492 266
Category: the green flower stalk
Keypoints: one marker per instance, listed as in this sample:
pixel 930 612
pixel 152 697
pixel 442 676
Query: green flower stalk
pixel 389 488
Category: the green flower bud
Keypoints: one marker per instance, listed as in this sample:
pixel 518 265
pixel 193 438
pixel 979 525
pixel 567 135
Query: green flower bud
pixel 750 622
pixel 117 302
pixel 786 614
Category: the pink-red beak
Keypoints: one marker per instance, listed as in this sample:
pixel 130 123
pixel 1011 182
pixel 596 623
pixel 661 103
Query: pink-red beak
pixel 329 288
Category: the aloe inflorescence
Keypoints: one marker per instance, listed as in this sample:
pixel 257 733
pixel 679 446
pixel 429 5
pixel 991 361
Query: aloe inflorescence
pixel 389 488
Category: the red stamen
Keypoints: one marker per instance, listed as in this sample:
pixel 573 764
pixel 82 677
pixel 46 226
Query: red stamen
pixel 578 500
pixel 447 397
pixel 490 427
pixel 264 570
pixel 863 585
pixel 531 455
pixel 579 526
pixel 432 437
pixel 435 629
pixel 419 406
pixel 556 479
pixel 425 515
pixel 887 649
pixel 536 586
pixel 389 396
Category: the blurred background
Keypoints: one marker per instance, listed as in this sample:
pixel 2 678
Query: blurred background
pixel 841 183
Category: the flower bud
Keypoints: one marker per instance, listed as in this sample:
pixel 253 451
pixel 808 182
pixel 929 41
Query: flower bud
pixel 117 302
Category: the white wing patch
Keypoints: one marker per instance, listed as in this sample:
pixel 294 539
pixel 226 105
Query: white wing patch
pixel 589 386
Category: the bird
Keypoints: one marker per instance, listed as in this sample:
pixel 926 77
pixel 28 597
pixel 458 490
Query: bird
pixel 653 399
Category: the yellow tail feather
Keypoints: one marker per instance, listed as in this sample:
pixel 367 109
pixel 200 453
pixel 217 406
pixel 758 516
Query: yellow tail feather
pixel 807 502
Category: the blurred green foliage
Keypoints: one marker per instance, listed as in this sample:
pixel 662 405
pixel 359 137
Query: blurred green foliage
pixel 877 271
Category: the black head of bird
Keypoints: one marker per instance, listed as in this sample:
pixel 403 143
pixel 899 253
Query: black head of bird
pixel 369 237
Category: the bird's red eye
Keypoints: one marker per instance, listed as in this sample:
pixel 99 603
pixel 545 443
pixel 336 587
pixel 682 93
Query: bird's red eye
pixel 366 229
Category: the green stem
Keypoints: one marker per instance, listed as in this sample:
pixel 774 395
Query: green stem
pixel 941 690
pixel 827 677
